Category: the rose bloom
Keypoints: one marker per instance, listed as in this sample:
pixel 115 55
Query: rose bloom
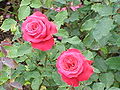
pixel 73 67
pixel 38 30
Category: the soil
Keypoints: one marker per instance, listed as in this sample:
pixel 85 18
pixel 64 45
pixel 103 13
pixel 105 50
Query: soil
pixel 5 9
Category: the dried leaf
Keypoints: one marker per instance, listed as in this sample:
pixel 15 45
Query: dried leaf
pixel 9 62
pixel 1 65
pixel 5 43
pixel 8 87
pixel 3 50
pixel 16 85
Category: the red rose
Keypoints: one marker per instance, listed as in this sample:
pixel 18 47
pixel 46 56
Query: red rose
pixel 38 30
pixel 73 67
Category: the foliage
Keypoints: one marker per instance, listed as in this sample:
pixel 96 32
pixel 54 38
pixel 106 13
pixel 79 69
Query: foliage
pixel 94 29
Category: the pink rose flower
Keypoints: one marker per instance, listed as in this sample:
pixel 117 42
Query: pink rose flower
pixel 73 67
pixel 63 9
pixel 59 9
pixel 74 8
pixel 38 30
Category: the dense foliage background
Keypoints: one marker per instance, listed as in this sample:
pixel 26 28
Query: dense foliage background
pixel 94 29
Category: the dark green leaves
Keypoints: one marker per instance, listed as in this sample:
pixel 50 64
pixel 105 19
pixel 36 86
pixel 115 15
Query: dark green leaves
pixel 103 28
pixel 107 79
pixel 57 78
pixel 60 17
pixel 98 86
pixel 113 63
pixel 103 10
pixel 117 18
pixel 100 64
pixel 88 25
pixel 36 83
pixel 16 51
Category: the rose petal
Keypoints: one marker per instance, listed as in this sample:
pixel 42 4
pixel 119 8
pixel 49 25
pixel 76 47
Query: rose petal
pixel 68 53
pixel 87 72
pixel 44 45
pixel 90 61
pixel 39 14
pixel 63 9
pixel 73 50
pixel 53 28
pixel 70 81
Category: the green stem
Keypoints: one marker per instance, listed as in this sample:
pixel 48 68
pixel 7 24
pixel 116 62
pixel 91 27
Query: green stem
pixel 8 11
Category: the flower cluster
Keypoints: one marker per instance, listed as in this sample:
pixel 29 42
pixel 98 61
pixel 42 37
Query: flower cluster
pixel 72 7
pixel 71 64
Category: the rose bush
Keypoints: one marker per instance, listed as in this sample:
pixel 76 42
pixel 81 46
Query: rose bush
pixel 73 67
pixel 38 30
pixel 91 26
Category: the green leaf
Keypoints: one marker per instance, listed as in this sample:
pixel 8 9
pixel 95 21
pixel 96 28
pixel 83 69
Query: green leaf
pixel 98 86
pixel 88 25
pixel 21 50
pixel 88 40
pixel 117 76
pixel 104 40
pixel 73 40
pixel 114 88
pixel 100 64
pixel 23 12
pixel 94 77
pixel 25 2
pixel 74 16
pixel 86 88
pixel 32 74
pixel 118 42
pixel 61 1
pixel 63 33
pixel 96 0
pixel 36 83
pixel 114 0
pixel 1 88
pixel 103 10
pixel 30 64
pixel 61 88
pixel 79 46
pixel 20 79
pixel 104 50
pixel 60 21
pixel 102 28
pixel 60 47
pixel 3 77
pixel 57 78
pixel 113 63
pixel 117 18
pixel 24 49
pixel 7 24
pixel 48 3
pixel 12 51
pixel 96 70
pixel 88 54
pixel 107 79
pixel 36 4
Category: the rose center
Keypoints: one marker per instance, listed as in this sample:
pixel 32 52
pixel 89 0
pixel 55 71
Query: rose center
pixel 69 63
pixel 34 26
